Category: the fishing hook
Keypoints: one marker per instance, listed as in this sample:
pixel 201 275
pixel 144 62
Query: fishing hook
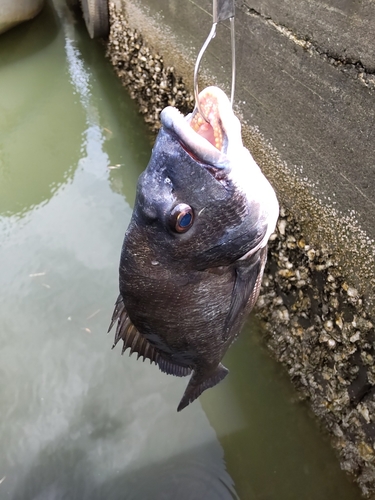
pixel 222 10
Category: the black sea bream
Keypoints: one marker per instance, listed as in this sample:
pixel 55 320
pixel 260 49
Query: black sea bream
pixel 195 249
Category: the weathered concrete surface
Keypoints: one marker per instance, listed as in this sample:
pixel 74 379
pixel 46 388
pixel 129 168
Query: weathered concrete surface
pixel 308 119
pixel 341 29
pixel 13 12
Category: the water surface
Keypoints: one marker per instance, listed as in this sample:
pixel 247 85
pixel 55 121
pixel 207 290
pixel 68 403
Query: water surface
pixel 78 421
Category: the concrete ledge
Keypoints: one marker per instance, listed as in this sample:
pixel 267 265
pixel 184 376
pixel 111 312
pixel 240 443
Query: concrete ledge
pixel 309 123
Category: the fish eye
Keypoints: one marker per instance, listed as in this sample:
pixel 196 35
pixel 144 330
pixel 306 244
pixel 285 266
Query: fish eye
pixel 181 218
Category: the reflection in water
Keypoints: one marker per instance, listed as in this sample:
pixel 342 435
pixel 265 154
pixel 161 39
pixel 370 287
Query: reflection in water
pixel 36 103
pixel 79 421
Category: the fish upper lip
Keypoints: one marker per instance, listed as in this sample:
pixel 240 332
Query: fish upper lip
pixel 196 145
pixel 174 122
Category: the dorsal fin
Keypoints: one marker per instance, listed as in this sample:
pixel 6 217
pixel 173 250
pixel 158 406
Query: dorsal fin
pixel 127 332
pixel 136 342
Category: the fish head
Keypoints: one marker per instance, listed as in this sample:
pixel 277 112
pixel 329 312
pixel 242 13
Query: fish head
pixel 202 201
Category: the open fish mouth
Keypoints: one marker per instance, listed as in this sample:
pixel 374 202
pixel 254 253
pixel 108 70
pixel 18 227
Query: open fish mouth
pixel 206 141
pixel 213 104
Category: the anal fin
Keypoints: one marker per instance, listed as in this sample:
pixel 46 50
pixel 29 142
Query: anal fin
pixel 172 368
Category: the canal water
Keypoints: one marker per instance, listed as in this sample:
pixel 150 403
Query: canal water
pixel 79 421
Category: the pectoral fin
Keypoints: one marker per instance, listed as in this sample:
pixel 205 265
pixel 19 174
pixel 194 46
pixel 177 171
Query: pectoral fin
pixel 249 273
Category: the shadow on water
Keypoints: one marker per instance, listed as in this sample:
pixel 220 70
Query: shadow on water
pixel 64 469
pixel 56 475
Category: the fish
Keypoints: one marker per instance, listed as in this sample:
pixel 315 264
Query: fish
pixel 194 252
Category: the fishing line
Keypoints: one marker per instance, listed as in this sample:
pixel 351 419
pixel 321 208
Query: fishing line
pixel 222 10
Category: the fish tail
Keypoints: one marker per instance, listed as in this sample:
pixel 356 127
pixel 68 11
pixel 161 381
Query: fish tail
pixel 199 383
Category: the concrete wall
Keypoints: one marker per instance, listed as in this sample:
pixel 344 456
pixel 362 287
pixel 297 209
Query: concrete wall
pixel 305 95
pixel 342 29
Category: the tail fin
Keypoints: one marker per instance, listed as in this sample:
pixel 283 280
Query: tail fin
pixel 199 383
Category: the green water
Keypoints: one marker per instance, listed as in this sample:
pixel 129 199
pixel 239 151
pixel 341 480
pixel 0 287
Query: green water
pixel 78 421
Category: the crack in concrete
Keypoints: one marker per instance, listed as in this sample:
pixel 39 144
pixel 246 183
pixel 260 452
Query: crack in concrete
pixel 355 69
